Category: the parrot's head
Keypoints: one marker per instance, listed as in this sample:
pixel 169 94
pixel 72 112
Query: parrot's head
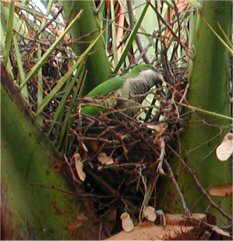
pixel 148 73
pixel 151 77
pixel 142 78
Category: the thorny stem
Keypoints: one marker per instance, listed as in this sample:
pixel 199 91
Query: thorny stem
pixel 199 185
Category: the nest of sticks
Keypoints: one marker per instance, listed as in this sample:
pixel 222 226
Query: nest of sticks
pixel 116 159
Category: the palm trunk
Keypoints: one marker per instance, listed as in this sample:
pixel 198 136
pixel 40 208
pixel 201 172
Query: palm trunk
pixel 85 31
pixel 209 80
pixel 36 201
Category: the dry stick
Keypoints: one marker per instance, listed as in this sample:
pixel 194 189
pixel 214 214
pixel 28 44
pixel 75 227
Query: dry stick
pixel 217 115
pixel 168 26
pixel 185 207
pixel 109 188
pixel 199 185
pixel 184 94
pixel 179 31
pixel 71 170
pixel 142 54
pixel 147 196
pixel 150 189
pixel 49 22
pixel 138 41
pixel 103 183
pixel 83 137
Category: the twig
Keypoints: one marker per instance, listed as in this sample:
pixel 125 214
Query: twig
pixel 184 94
pixel 199 185
pixel 217 115
pixel 71 170
pixel 104 185
pixel 138 41
pixel 185 207
pixel 162 155
pixel 167 25
pixel 49 22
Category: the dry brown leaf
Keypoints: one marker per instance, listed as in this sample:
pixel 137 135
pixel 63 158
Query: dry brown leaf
pixel 221 190
pixel 161 127
pixel 149 213
pixel 79 167
pixel 104 159
pixel 126 222
pixel 225 149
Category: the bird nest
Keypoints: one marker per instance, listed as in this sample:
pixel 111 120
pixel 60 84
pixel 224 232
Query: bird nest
pixel 114 160
pixel 117 159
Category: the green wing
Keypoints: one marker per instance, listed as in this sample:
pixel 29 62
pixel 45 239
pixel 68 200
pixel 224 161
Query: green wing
pixel 116 83
pixel 107 87
pixel 112 85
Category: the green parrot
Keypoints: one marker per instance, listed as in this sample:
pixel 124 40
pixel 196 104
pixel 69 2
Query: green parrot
pixel 131 85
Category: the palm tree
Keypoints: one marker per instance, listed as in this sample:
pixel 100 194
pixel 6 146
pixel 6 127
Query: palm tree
pixel 38 197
